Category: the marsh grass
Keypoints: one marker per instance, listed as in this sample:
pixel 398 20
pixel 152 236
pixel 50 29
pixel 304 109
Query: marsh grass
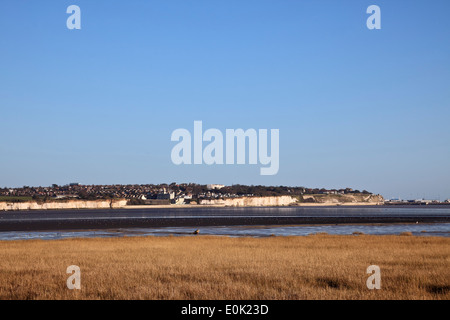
pixel 204 267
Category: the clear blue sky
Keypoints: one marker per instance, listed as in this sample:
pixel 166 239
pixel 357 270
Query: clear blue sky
pixel 355 108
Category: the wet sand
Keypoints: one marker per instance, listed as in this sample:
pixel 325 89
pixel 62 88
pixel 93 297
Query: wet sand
pixel 124 218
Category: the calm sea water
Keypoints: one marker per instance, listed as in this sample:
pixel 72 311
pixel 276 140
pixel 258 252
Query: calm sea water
pixel 438 229
pixel 420 229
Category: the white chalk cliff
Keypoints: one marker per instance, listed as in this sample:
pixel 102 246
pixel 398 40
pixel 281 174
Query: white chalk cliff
pixel 69 204
pixel 251 201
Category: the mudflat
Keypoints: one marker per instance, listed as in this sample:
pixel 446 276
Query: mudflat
pixel 198 217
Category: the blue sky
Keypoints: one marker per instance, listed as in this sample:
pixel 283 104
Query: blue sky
pixel 367 109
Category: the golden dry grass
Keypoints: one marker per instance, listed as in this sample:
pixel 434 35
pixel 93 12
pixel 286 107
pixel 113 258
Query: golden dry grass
pixel 202 267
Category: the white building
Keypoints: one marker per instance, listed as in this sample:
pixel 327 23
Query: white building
pixel 215 186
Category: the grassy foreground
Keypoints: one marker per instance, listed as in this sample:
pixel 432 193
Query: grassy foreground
pixel 202 267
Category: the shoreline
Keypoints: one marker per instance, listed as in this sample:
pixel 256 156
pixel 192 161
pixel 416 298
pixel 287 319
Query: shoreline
pixel 191 235
pixel 68 235
pixel 197 206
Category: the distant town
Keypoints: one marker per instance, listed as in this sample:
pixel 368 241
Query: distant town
pixel 158 194
pixel 174 193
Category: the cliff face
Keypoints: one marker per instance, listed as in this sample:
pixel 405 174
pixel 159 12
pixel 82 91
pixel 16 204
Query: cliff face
pixel 305 200
pixel 251 201
pixel 69 204
pixel 330 199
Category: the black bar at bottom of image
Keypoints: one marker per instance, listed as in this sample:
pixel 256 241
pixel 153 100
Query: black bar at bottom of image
pixel 225 309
